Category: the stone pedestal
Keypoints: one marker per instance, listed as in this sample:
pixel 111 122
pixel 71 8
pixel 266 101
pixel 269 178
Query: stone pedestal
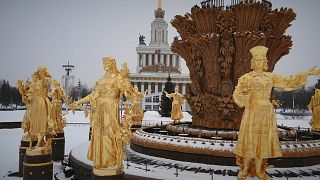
pixel 111 177
pixel 22 151
pixel 37 166
pixel 58 146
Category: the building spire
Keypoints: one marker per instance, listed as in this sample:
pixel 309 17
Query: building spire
pixel 159 13
pixel 159 4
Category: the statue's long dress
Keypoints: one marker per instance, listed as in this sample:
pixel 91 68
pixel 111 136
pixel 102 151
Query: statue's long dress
pixel 258 136
pixel 315 106
pixel 176 112
pixel 56 104
pixel 39 114
pixel 106 121
pixel 137 111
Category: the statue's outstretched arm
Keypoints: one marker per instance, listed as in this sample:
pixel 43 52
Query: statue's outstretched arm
pixel 293 82
pixel 168 95
pixel 88 98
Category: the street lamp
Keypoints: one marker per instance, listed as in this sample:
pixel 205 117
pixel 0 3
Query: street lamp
pixel 293 104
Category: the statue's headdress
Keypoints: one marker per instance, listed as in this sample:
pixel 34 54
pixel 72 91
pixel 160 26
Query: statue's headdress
pixel 113 64
pixel 259 51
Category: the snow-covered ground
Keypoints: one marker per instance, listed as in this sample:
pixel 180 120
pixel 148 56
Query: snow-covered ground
pixel 77 135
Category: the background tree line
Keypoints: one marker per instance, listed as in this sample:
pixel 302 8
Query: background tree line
pixel 10 98
pixel 300 98
pixel 9 95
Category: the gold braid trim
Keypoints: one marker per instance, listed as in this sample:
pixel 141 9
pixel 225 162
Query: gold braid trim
pixel 37 165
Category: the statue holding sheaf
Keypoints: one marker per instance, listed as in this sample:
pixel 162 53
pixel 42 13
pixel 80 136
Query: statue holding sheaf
pixel 109 136
pixel 258 137
pixel 37 123
pixel 137 112
pixel 57 94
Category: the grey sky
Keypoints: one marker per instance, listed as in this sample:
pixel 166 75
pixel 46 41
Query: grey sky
pixel 53 32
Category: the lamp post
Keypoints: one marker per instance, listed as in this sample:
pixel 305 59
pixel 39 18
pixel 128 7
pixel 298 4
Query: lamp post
pixel 293 104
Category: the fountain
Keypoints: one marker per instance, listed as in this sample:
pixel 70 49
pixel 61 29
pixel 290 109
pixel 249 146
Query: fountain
pixel 215 43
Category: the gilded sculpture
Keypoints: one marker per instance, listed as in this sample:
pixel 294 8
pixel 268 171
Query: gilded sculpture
pixel 37 123
pixel 109 136
pixel 258 137
pixel 176 111
pixel 137 112
pixel 89 110
pixel 314 106
pixel 57 94
pixel 215 44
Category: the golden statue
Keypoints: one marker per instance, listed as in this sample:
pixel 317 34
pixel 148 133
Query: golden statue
pixel 37 123
pixel 314 106
pixel 57 94
pixel 176 112
pixel 136 108
pixel 89 111
pixel 258 136
pixel 108 138
pixel 23 90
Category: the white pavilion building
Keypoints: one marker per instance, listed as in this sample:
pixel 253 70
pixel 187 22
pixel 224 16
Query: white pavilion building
pixel 155 62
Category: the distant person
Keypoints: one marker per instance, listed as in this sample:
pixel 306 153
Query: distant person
pixel 258 136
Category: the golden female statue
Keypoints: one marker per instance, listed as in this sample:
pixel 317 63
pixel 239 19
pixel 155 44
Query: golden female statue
pixel 136 108
pixel 176 112
pixel 258 136
pixel 106 145
pixel 37 122
pixel 56 111
pixel 314 106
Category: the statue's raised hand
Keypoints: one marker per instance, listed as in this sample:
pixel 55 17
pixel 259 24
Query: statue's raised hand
pixel 73 106
pixel 314 71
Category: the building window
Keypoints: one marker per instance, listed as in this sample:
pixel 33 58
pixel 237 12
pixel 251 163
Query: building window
pixel 139 86
pixel 148 99
pixel 148 107
pixel 147 59
pixel 153 60
pixel 177 61
pixel 140 59
pixel 165 59
pixel 145 86
pixel 153 88
pixel 162 35
pixel 156 107
pixel 180 87
pixel 170 60
pixel 155 99
pixel 159 87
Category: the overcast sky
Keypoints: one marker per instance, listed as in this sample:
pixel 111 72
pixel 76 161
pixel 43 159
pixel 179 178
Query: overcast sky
pixel 53 32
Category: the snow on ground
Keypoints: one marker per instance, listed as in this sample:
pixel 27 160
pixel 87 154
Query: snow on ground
pixel 152 118
pixel 77 134
pixel 11 116
pixel 302 122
